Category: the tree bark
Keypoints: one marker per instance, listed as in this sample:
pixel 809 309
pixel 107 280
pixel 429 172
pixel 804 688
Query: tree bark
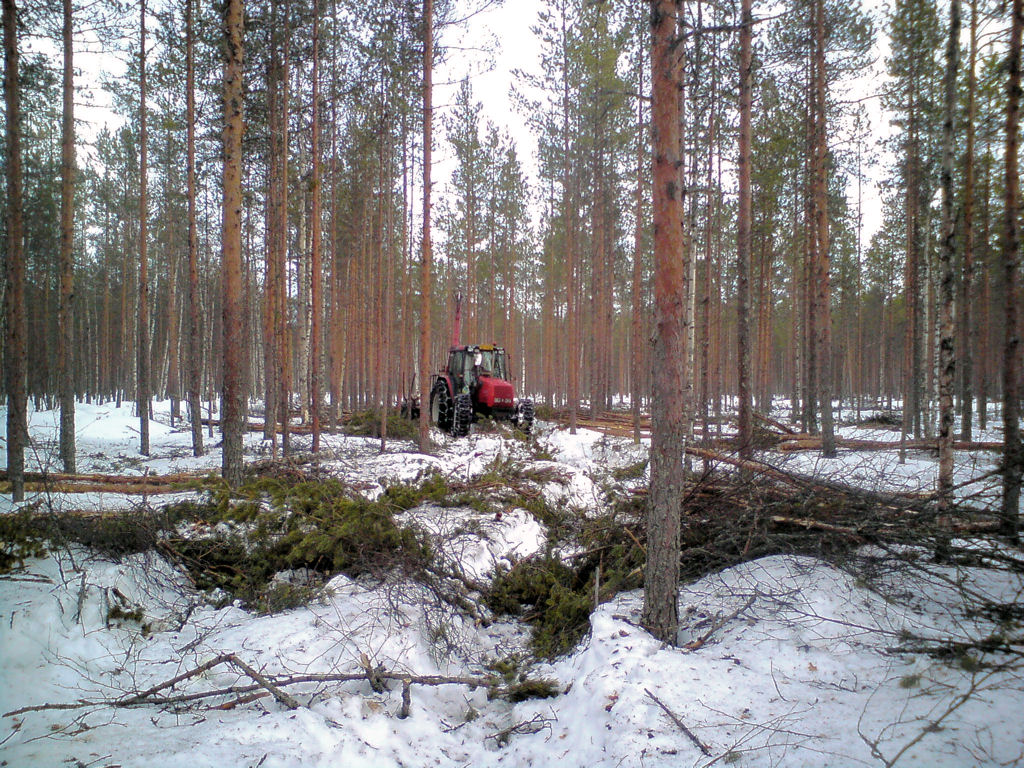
pixel 272 364
pixel 1013 453
pixel 569 214
pixel 194 374
pixel 142 384
pixel 65 321
pixel 233 397
pixel 823 305
pixel 426 266
pixel 743 225
pixel 968 326
pixel 14 296
pixel 316 257
pixel 810 295
pixel 947 358
pixel 668 407
pixel 636 298
pixel 283 333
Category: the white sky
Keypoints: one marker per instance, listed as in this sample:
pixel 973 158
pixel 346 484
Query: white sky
pixel 508 26
pixel 507 29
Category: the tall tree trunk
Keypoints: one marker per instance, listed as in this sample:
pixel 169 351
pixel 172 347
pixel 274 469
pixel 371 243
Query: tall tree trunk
pixel 334 335
pixel 573 345
pixel 910 291
pixel 303 279
pixel 743 226
pixel 636 321
pixel 823 305
pixel 272 364
pixel 283 333
pixel 968 326
pixel 14 296
pixel 1013 452
pixel 985 321
pixel 947 358
pixel 705 314
pixel 668 406
pixel 316 257
pixel 171 322
pixel 810 295
pixel 233 398
pixel 426 266
pixel 142 384
pixel 195 353
pixel 65 338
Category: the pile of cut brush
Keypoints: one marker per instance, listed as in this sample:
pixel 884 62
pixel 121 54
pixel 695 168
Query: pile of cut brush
pixel 737 516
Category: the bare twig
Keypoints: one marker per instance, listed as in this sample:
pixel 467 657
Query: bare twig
pixel 276 692
pixel 682 726
pixel 718 624
pixel 534 725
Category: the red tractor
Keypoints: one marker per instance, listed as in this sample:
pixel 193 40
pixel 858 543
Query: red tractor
pixel 475 383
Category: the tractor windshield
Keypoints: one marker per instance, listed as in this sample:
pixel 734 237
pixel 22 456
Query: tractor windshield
pixel 496 364
pixel 486 362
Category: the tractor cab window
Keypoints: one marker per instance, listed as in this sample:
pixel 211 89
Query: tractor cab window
pixel 457 364
pixel 486 362
pixel 500 369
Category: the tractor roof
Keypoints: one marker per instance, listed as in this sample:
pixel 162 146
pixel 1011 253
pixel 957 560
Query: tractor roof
pixel 474 347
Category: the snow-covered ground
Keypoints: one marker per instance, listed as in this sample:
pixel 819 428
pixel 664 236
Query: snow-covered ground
pixel 784 661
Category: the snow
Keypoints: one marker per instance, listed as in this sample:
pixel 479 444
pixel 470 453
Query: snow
pixel 785 660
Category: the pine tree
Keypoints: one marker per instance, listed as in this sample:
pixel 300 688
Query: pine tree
pixel 233 397
pixel 142 359
pixel 668 407
pixel 65 334
pixel 14 296
pixel 1013 450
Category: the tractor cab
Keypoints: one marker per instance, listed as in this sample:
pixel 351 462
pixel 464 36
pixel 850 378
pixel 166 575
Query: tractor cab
pixel 470 366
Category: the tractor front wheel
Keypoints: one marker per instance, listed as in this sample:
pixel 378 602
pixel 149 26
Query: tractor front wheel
pixel 463 415
pixel 441 407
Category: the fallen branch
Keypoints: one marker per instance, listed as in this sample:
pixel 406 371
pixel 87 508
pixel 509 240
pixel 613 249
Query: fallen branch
pixel 717 625
pixel 1013 646
pixel 784 428
pixel 809 523
pixel 227 705
pixel 534 725
pixel 495 686
pixel 276 692
pixel 682 726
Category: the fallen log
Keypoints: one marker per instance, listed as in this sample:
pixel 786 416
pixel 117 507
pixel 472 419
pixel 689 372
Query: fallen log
pixel 60 477
pixel 785 429
pixel 808 523
pixel 813 443
pixel 129 489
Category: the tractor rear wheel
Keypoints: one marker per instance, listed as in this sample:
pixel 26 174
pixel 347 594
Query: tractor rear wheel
pixel 463 415
pixel 526 415
pixel 441 407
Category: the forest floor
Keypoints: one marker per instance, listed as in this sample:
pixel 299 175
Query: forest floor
pixel 445 612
